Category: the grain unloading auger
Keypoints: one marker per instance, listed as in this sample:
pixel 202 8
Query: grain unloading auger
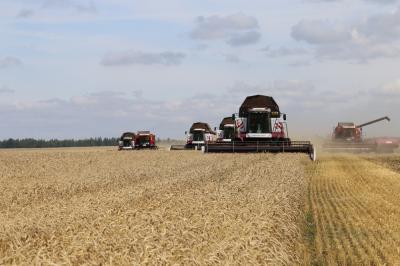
pixel 348 137
pixel 260 127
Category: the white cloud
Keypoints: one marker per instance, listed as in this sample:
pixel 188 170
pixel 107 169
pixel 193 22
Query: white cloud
pixel 382 27
pixel 237 29
pixel 309 110
pixel 382 1
pixel 284 51
pixel 79 6
pixel 142 58
pixel 390 89
pixel 232 58
pixel 25 13
pixel 9 61
pixel 6 90
pixel 244 38
pixel 376 37
pixel 300 63
pixel 320 32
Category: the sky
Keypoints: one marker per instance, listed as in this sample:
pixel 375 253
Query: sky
pixel 77 69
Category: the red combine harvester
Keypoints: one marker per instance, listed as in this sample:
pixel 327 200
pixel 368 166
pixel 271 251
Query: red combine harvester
pixel 261 127
pixel 200 134
pixel 127 141
pixel 348 137
pixel 145 140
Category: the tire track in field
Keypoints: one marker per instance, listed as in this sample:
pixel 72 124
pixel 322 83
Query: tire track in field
pixel 353 204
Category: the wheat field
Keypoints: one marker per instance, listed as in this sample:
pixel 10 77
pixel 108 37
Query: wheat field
pixel 100 206
pixel 355 208
pixel 390 161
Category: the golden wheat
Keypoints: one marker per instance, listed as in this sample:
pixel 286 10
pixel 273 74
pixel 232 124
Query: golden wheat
pixel 389 161
pixel 99 206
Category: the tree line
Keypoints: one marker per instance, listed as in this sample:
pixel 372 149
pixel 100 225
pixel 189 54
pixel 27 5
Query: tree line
pixel 56 143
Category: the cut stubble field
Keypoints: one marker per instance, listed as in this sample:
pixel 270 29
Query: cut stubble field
pixel 354 203
pixel 100 206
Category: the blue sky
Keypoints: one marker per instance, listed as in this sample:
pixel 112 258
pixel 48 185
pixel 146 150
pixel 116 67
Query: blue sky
pixel 72 68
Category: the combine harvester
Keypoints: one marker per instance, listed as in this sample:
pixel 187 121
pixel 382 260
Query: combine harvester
pixel 199 135
pixel 226 130
pixel 127 141
pixel 140 140
pixel 348 137
pixel 261 127
pixel 145 140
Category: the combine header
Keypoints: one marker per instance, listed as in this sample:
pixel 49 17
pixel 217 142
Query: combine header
pixel 260 127
pixel 348 137
pixel 199 135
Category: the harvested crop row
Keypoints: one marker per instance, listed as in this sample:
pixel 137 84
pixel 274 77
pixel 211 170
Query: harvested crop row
pixel 390 161
pixel 356 212
pixel 99 206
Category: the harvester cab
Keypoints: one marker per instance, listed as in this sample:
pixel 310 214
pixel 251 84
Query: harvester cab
pixel 259 119
pixel 261 127
pixel 226 131
pixel 347 131
pixel 199 134
pixel 145 140
pixel 127 141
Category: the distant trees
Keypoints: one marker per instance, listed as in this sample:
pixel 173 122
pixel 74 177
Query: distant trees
pixel 55 143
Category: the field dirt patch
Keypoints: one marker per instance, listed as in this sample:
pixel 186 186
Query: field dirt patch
pixel 156 207
pixel 356 213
